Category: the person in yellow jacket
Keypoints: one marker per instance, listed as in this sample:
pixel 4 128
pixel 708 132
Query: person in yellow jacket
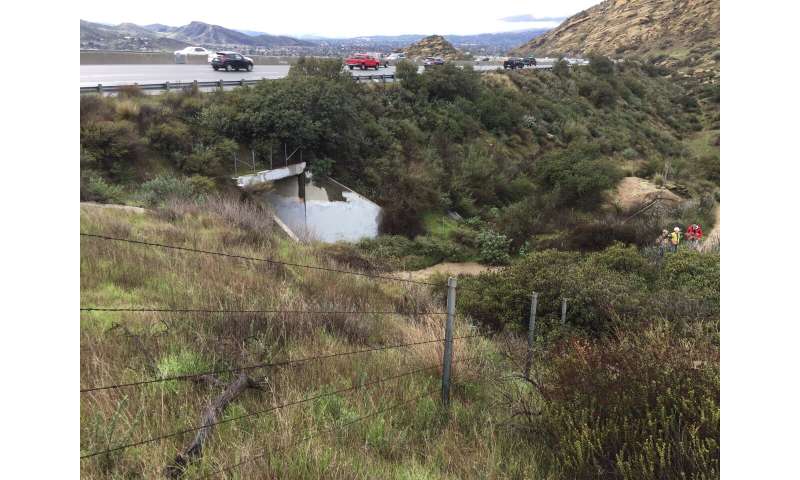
pixel 675 239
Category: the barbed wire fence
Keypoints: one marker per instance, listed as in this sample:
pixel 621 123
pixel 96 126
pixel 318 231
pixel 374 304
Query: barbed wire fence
pixel 203 428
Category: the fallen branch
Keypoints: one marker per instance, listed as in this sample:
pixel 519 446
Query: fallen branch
pixel 210 416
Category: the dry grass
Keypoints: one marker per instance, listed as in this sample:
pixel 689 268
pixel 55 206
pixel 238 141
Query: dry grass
pixel 416 441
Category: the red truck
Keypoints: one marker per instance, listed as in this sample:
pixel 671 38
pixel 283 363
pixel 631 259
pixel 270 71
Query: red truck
pixel 362 61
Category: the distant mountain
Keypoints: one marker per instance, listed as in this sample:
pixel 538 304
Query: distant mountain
pixel 126 36
pixel 432 46
pixel 201 33
pixel 160 28
pixel 252 33
pixel 129 36
pixel 680 33
pixel 502 41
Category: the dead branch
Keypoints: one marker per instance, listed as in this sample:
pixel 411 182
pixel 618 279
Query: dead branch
pixel 210 416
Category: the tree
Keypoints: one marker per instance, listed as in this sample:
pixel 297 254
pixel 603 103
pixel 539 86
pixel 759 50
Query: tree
pixel 330 68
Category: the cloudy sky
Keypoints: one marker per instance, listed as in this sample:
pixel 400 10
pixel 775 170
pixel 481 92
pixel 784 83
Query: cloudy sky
pixel 342 18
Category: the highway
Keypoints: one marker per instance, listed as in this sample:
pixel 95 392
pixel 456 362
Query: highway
pixel 91 75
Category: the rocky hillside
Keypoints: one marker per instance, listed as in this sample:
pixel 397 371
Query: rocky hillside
pixel 433 46
pixel 680 33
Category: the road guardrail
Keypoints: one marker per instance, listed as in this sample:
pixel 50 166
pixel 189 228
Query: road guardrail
pixel 167 86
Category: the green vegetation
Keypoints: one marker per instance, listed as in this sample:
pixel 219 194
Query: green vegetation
pixel 629 388
pixel 529 153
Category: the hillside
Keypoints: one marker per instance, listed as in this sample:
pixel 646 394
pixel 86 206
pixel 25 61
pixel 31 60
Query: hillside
pixel 432 46
pixel 128 36
pixel 683 34
pixel 125 36
pixel 200 33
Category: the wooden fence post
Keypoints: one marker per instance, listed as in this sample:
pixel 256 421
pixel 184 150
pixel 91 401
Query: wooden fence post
pixel 447 360
pixel 531 330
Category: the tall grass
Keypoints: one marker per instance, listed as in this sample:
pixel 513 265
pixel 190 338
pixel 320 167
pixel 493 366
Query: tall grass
pixel 123 347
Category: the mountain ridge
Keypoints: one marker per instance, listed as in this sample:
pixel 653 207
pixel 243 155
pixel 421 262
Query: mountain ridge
pixel 684 34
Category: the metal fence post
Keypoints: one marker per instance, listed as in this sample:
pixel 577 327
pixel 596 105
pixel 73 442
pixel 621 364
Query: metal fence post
pixel 531 330
pixel 563 311
pixel 448 341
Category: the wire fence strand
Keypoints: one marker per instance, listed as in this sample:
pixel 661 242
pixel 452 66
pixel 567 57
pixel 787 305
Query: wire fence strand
pixel 223 311
pixel 285 363
pixel 320 432
pixel 258 412
pixel 257 259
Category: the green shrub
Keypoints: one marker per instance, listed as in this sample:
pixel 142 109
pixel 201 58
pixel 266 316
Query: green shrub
pixel 577 176
pixel 493 248
pixel 643 404
pixel 94 188
pixel 330 68
pixel 157 191
pixel 115 145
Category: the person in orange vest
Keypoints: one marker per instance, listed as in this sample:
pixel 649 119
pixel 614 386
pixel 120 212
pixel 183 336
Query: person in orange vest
pixel 675 239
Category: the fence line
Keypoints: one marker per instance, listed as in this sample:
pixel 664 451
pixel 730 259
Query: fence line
pixel 202 310
pixel 256 259
pixel 285 363
pixel 447 360
pixel 257 412
pixel 326 431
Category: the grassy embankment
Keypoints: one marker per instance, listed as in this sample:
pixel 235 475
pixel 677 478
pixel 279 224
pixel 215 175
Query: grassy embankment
pixel 416 441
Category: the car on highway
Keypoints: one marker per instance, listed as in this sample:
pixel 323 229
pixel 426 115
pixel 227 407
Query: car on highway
pixel 514 63
pixel 195 51
pixel 231 61
pixel 362 61
pixel 432 61
pixel 394 57
pixel 529 61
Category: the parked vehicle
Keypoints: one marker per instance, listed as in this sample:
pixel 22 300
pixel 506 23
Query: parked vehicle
pixel 362 61
pixel 431 61
pixel 194 51
pixel 514 63
pixel 231 61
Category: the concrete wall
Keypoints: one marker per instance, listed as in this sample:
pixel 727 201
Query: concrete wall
pixel 163 58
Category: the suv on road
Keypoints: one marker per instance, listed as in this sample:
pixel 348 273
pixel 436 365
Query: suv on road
pixel 362 61
pixel 513 63
pixel 231 61
pixel 529 61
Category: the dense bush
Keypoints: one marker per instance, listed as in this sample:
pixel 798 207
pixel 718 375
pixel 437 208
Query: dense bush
pixel 164 188
pixel 522 143
pixel 608 289
pixel 641 404
pixel 494 248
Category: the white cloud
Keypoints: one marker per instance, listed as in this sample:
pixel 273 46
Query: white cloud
pixel 342 18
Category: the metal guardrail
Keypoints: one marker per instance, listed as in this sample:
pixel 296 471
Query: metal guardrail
pixel 167 86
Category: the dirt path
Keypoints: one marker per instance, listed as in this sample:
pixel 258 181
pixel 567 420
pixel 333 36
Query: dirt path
pixel 127 208
pixel 447 268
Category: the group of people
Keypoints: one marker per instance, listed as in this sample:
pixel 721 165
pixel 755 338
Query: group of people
pixel 671 240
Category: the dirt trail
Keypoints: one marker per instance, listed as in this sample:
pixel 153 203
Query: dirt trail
pixel 127 208
pixel 447 268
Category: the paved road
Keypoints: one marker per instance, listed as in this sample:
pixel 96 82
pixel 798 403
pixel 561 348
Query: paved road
pixel 91 75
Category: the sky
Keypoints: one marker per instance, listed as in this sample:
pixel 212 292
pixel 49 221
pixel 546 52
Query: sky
pixel 342 18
